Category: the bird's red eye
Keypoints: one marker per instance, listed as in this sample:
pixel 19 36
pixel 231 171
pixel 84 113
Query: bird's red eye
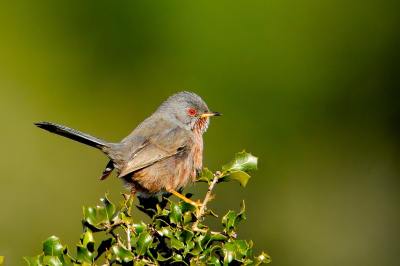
pixel 192 111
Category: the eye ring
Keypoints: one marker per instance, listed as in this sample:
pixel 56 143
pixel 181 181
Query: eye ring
pixel 192 111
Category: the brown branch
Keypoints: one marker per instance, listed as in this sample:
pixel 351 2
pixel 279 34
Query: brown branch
pixel 117 239
pixel 128 236
pixel 206 199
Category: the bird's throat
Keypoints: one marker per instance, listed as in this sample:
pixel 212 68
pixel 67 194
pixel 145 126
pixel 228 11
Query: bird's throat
pixel 201 125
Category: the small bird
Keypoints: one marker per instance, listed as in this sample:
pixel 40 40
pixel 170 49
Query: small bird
pixel 162 154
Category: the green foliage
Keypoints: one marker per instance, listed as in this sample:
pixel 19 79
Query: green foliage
pixel 174 236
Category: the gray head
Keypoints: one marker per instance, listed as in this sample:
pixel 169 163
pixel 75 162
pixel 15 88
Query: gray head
pixel 189 109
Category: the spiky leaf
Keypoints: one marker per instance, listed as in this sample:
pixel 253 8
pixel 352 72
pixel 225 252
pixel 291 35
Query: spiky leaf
pixel 241 162
pixel 239 176
pixel 143 243
pixel 175 214
pixel 123 254
pixel 84 255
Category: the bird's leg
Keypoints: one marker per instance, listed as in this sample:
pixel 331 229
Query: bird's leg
pixel 131 200
pixel 197 204
pixel 129 225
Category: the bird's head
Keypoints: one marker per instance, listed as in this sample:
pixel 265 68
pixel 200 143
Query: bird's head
pixel 189 110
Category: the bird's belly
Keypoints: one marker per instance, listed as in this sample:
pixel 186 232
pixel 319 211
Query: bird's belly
pixel 172 173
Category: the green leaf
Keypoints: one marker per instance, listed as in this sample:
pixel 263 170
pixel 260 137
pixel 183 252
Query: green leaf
pixel 90 219
pixel 205 238
pixel 140 263
pixel 243 247
pixel 205 176
pixel 214 261
pixel 166 231
pixel 139 228
pixel 241 162
pixel 127 201
pixel 240 216
pixel 230 250
pixel 205 255
pixel 161 258
pixel 184 235
pixel 218 237
pixel 143 243
pixel 188 217
pixel 123 254
pixel 134 241
pixel 189 245
pixel 52 261
pixel 230 220
pixel 106 212
pixel 52 247
pixel 211 213
pixel 176 214
pixel 197 248
pixel 202 179
pixel 34 261
pixel 263 258
pixel 201 226
pixel 150 254
pixel 125 218
pixel 227 221
pixel 175 243
pixel 159 223
pixel 89 215
pixel 87 240
pixel 185 207
pixel 239 176
pixel 178 260
pixel 84 255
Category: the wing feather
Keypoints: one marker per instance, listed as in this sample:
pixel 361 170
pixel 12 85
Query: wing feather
pixel 158 147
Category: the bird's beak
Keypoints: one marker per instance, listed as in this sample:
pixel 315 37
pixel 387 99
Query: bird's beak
pixel 208 114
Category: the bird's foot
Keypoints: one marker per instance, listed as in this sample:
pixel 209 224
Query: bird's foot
pixel 198 205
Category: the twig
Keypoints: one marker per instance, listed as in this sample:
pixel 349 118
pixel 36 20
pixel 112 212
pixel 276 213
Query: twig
pixel 212 232
pixel 110 229
pixel 117 239
pixel 206 199
pixel 128 235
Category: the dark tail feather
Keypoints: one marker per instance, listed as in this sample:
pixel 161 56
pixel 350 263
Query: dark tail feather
pixel 107 171
pixel 73 134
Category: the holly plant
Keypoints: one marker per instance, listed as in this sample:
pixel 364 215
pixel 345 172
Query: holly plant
pixel 175 234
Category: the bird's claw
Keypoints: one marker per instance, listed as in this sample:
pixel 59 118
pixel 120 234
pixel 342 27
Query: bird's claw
pixel 198 205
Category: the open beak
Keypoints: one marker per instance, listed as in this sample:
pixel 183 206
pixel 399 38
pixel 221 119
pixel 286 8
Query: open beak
pixel 208 114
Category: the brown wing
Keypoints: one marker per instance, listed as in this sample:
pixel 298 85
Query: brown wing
pixel 158 147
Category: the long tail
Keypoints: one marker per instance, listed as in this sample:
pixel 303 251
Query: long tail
pixel 73 134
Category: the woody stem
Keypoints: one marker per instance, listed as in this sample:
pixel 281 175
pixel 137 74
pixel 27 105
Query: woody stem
pixel 206 199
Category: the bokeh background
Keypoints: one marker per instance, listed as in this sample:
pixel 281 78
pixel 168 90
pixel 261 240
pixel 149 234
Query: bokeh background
pixel 310 87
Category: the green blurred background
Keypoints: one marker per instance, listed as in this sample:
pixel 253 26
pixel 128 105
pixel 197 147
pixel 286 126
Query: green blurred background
pixel 310 87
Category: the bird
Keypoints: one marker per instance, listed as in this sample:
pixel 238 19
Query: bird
pixel 162 154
